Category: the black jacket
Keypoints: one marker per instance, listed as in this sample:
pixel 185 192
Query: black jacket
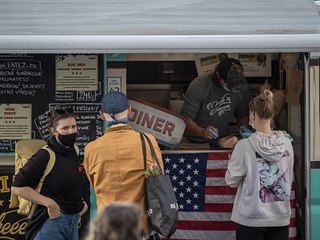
pixel 63 184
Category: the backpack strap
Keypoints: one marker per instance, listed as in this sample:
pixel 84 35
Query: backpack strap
pixel 142 137
pixel 76 148
pixel 50 164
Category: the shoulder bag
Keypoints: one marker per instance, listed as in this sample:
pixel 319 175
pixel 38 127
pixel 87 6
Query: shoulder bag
pixel 162 206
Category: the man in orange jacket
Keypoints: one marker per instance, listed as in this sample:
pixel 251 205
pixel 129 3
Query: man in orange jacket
pixel 114 162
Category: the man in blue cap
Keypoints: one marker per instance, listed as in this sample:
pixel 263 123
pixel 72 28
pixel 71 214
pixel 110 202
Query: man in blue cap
pixel 213 100
pixel 114 162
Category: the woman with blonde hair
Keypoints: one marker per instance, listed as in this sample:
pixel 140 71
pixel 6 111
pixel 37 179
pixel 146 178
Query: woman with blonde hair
pixel 117 221
pixel 261 167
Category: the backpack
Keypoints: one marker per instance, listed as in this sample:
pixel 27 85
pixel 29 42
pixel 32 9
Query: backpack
pixel 25 149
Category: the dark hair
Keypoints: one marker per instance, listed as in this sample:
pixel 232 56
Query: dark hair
pixel 263 105
pixel 56 115
pixel 118 221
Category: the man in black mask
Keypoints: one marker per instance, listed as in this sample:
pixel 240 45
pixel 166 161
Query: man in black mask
pixel 213 100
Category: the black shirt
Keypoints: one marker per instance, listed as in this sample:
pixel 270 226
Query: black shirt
pixel 63 184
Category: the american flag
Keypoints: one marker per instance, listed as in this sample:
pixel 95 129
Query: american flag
pixel 205 201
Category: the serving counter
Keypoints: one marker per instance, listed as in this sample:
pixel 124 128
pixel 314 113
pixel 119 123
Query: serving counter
pixel 205 201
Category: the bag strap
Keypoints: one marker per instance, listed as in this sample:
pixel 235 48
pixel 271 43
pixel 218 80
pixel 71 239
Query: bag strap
pixel 142 136
pixel 50 164
pixel 143 150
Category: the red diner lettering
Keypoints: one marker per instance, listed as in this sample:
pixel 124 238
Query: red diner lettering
pixel 169 127
pixel 146 119
pixel 139 117
pixel 133 114
pixel 158 123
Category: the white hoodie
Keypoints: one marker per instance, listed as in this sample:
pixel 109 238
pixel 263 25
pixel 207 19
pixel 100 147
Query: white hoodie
pixel 262 169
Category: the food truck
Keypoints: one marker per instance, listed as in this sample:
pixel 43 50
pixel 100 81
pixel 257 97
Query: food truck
pixel 69 53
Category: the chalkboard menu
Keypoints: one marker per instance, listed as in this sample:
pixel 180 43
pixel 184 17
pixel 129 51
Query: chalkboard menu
pixel 34 84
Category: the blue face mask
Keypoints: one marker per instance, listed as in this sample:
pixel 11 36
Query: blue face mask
pixel 116 121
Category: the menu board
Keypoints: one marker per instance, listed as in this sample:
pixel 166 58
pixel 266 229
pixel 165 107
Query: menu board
pixel 32 85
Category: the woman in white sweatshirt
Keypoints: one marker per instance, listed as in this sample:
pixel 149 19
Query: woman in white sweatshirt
pixel 261 167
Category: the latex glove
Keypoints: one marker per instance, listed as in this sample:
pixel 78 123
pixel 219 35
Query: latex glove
pixel 244 132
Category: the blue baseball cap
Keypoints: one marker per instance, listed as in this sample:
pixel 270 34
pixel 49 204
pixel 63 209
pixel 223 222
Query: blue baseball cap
pixel 114 102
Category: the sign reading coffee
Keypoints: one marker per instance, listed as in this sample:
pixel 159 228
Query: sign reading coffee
pixel 12 225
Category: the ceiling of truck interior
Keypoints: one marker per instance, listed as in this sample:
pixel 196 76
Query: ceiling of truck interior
pixel 138 26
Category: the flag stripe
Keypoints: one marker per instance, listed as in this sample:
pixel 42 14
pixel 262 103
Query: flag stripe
pixel 220 190
pixel 216 172
pixel 230 198
pixel 207 216
pixel 218 207
pixel 221 164
pixel 225 155
pixel 206 225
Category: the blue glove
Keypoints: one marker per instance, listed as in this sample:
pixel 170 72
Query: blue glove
pixel 244 132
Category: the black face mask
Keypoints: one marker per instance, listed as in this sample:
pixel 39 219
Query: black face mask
pixel 236 81
pixel 67 140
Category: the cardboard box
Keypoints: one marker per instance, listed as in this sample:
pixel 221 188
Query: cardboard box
pixel 165 125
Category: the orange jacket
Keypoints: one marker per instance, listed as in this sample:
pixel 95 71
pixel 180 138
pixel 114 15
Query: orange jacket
pixel 114 166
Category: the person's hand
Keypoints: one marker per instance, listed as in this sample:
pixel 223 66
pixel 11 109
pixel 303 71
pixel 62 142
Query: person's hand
pixel 53 209
pixel 210 133
pixel 244 132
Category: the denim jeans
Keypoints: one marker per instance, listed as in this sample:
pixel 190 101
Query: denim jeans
pixel 64 227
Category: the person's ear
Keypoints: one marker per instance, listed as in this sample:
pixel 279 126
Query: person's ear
pixel 129 111
pixel 53 131
pixel 102 115
pixel 254 116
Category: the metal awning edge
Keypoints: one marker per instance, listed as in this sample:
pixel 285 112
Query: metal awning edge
pixel 159 44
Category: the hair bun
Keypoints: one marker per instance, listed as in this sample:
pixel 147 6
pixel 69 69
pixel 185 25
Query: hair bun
pixel 266 95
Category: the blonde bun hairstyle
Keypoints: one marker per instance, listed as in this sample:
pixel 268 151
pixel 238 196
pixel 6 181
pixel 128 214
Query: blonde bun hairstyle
pixel 262 105
pixel 266 95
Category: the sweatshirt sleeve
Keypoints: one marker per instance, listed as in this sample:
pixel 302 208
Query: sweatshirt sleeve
pixel 236 166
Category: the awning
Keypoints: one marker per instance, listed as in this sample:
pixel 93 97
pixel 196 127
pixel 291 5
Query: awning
pixel 149 26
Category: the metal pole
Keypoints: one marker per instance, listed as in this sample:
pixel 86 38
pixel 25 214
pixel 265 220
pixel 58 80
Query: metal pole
pixel 307 146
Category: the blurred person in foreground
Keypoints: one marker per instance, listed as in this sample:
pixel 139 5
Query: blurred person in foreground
pixel 114 162
pixel 117 221
pixel 261 167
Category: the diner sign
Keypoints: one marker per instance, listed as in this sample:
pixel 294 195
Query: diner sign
pixel 165 125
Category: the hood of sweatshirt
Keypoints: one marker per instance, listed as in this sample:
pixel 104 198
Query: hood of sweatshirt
pixel 271 148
